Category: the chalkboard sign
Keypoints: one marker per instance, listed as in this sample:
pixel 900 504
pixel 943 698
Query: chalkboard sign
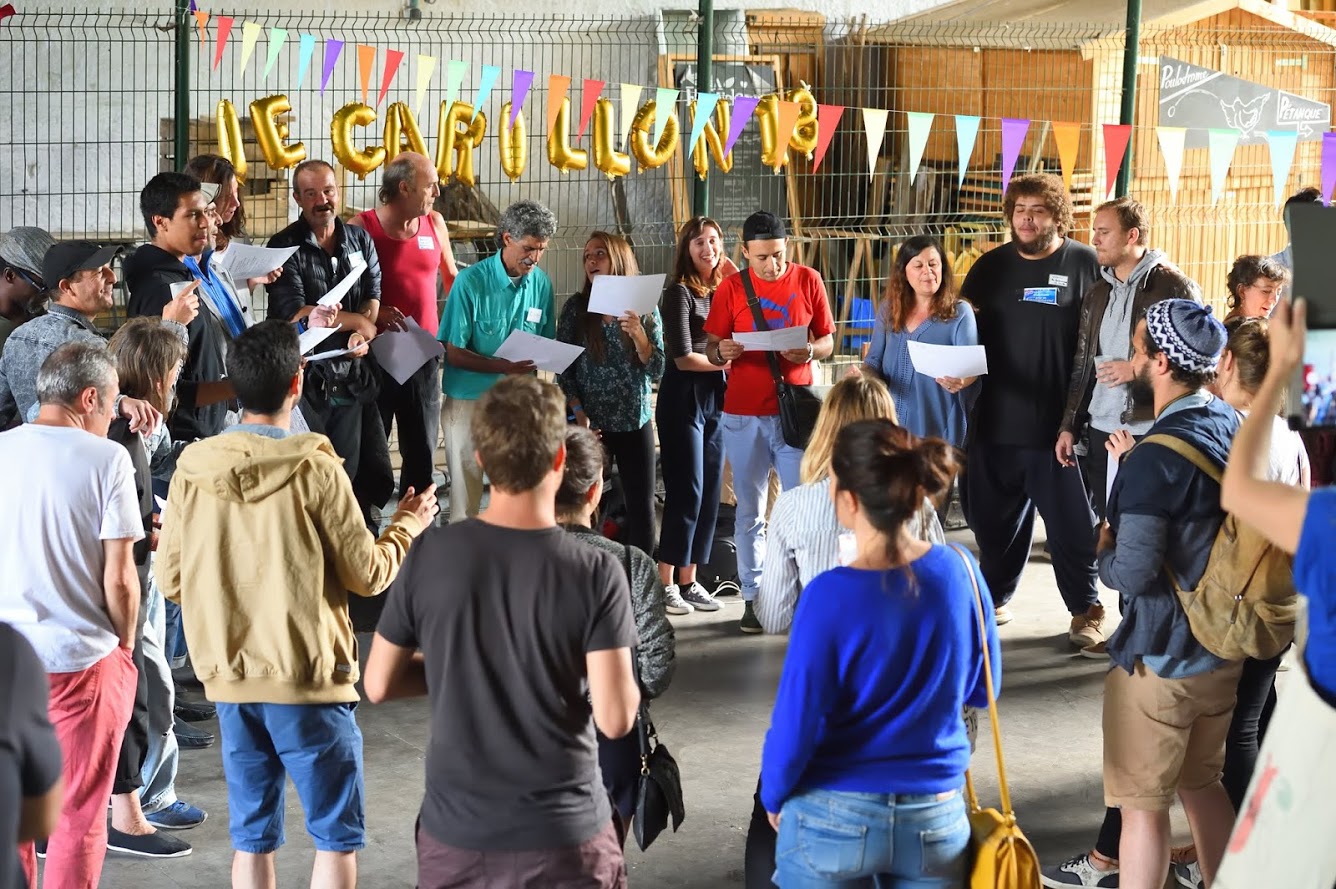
pixel 750 186
pixel 1201 99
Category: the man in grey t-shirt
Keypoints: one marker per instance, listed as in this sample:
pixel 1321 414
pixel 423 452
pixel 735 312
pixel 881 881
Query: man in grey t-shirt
pixel 523 630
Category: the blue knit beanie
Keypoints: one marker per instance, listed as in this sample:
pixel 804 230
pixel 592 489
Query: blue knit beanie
pixel 1187 333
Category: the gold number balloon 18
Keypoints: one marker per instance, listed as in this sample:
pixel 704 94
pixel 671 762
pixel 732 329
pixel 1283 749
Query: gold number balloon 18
pixel 360 161
pixel 401 132
pixel 456 140
pixel 514 143
pixel 711 143
pixel 773 154
pixel 806 130
pixel 560 154
pixel 652 157
pixel 271 134
pixel 230 145
pixel 609 161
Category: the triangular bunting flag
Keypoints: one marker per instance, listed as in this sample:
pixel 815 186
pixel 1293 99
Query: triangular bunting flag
pixel 333 47
pixel 366 63
pixel 558 85
pixel 393 58
pixel 630 94
pixel 1282 144
pixel 1172 141
pixel 705 105
pixel 874 127
pixel 305 52
pixel 426 67
pixel 485 83
pixel 250 35
pixel 224 29
pixel 1116 137
pixel 743 109
pixel 192 5
pixel 664 100
pixel 588 99
pixel 827 119
pixel 454 80
pixel 920 127
pixel 277 36
pixel 1068 138
pixel 1013 139
pixel 967 133
pixel 1220 144
pixel 520 82
pixel 1328 166
pixel 788 119
pixel 201 23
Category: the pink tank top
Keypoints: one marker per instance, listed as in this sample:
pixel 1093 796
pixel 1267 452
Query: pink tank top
pixel 408 269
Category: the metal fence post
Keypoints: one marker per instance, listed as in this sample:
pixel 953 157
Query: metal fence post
pixel 1128 112
pixel 700 194
pixel 181 112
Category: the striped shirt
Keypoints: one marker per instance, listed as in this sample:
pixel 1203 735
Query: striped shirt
pixel 802 541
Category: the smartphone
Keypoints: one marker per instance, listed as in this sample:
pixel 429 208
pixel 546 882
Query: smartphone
pixel 1312 394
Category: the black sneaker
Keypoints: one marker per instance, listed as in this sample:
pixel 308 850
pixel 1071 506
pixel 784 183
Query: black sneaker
pixel 1079 871
pixel 195 711
pixel 750 624
pixel 190 738
pixel 148 845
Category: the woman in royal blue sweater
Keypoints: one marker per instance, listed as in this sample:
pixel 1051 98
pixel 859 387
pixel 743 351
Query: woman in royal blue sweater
pixel 866 755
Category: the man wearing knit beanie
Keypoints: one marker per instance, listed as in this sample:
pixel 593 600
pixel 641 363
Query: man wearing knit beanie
pixel 1167 700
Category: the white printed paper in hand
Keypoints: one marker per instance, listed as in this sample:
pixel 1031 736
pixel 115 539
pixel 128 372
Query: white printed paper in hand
pixel 401 353
pixel 546 354
pixel 781 340
pixel 337 292
pixel 618 294
pixel 332 353
pixel 314 336
pixel 1112 471
pixel 937 361
pixel 245 261
pixel 162 508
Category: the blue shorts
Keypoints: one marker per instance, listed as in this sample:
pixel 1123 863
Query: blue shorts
pixel 320 746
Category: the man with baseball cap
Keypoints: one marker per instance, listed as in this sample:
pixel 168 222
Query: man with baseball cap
pixel 1167 700
pixel 21 252
pixel 80 279
pixel 790 295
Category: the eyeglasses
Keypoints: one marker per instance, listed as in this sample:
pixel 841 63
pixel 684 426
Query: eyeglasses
pixel 32 282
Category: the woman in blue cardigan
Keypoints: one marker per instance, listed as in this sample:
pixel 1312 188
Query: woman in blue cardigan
pixel 866 755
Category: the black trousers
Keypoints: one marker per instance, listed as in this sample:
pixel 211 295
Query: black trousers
pixel 759 859
pixel 134 745
pixel 1004 487
pixel 416 407
pixel 691 448
pixel 358 436
pixel 634 454
pixel 1095 467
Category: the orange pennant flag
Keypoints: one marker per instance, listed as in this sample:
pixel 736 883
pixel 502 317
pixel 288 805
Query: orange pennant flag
pixel 788 119
pixel 201 20
pixel 1068 137
pixel 366 60
pixel 558 85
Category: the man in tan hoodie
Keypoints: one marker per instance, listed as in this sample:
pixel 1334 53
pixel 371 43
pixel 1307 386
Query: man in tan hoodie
pixel 262 542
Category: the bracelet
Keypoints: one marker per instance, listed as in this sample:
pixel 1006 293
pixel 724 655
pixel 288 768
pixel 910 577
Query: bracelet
pixel 810 352
pixel 116 405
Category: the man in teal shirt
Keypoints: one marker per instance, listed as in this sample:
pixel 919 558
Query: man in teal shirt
pixel 503 293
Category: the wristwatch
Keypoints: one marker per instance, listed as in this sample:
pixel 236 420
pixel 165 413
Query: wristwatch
pixel 810 352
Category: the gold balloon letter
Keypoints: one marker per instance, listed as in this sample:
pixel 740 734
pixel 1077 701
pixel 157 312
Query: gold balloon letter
pixel 456 139
pixel 560 154
pixel 649 157
pixel 773 154
pixel 611 162
pixel 805 132
pixel 363 161
pixel 711 142
pixel 230 145
pixel 264 117
pixel 401 132
pixel 514 144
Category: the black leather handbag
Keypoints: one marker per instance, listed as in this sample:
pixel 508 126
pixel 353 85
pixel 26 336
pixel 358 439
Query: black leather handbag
pixel 798 405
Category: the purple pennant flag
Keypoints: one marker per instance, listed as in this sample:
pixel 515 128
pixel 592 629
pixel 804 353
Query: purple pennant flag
pixel 192 5
pixel 1328 166
pixel 332 49
pixel 1013 137
pixel 519 91
pixel 743 107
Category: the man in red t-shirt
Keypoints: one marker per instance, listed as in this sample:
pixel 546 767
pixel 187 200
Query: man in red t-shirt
pixel 413 245
pixel 790 295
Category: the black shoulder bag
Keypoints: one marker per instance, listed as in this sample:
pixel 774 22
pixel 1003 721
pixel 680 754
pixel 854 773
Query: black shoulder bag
pixel 798 405
pixel 659 793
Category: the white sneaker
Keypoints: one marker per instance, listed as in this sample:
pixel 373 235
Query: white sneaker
pixel 1187 875
pixel 1079 871
pixel 673 602
pixel 1002 615
pixel 699 598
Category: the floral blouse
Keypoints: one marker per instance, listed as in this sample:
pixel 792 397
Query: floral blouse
pixel 615 393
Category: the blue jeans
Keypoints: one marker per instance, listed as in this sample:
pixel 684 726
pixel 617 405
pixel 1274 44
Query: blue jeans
pixel 752 445
pixel 888 841
pixel 162 755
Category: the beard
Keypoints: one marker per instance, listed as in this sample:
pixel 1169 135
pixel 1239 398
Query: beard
pixel 1041 243
pixel 1140 390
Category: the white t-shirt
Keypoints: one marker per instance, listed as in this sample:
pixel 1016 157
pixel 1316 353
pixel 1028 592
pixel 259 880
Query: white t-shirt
pixel 66 491
pixel 1288 460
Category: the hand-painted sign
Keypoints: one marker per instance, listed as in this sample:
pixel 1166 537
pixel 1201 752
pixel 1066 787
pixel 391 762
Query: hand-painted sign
pixel 1201 99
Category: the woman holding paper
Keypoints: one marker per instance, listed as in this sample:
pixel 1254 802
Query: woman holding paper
pixel 608 387
pixel 921 305
pixel 216 170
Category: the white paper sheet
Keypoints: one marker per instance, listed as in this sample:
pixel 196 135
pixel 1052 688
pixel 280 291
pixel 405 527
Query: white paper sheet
pixel 336 293
pixel 314 336
pixel 781 340
pixel 619 294
pixel 546 354
pixel 332 353
pixel 245 261
pixel 1112 473
pixel 162 507
pixel 948 361
pixel 402 352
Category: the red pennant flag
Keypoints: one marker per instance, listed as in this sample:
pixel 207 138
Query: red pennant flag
pixel 392 59
pixel 224 30
pixel 557 87
pixel 366 60
pixel 588 99
pixel 827 119
pixel 6 11
pixel 1116 137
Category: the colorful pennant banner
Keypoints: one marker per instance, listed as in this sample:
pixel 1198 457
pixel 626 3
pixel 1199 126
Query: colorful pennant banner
pixel 1220 146
pixel 588 100
pixel 1282 145
pixel 393 59
pixel 558 85
pixel 1116 137
pixel 519 91
pixel 967 133
pixel 743 109
pixel 1014 131
pixel 224 31
pixel 665 100
pixel 1172 140
pixel 705 105
pixel 277 37
pixel 250 35
pixel 366 63
pixel 630 95
pixel 305 52
pixel 333 47
pixel 1328 166
pixel 454 80
pixel 827 120
pixel 874 128
pixel 426 67
pixel 1068 139
pixel 920 127
pixel 485 83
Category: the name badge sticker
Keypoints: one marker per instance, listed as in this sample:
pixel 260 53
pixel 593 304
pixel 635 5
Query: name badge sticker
pixel 356 258
pixel 534 315
pixel 1045 295
pixel 1057 280
pixel 426 243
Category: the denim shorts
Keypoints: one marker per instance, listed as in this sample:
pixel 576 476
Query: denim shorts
pixel 320 746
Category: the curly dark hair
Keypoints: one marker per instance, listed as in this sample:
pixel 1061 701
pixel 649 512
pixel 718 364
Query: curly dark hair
pixel 1248 269
pixel 1049 189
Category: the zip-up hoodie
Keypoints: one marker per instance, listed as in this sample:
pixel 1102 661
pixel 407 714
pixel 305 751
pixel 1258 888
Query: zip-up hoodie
pixel 261 544
pixel 1114 338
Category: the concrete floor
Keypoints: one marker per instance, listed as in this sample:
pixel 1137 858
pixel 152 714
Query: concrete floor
pixel 713 719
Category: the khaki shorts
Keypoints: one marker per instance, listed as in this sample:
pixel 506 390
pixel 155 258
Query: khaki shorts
pixel 1163 735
